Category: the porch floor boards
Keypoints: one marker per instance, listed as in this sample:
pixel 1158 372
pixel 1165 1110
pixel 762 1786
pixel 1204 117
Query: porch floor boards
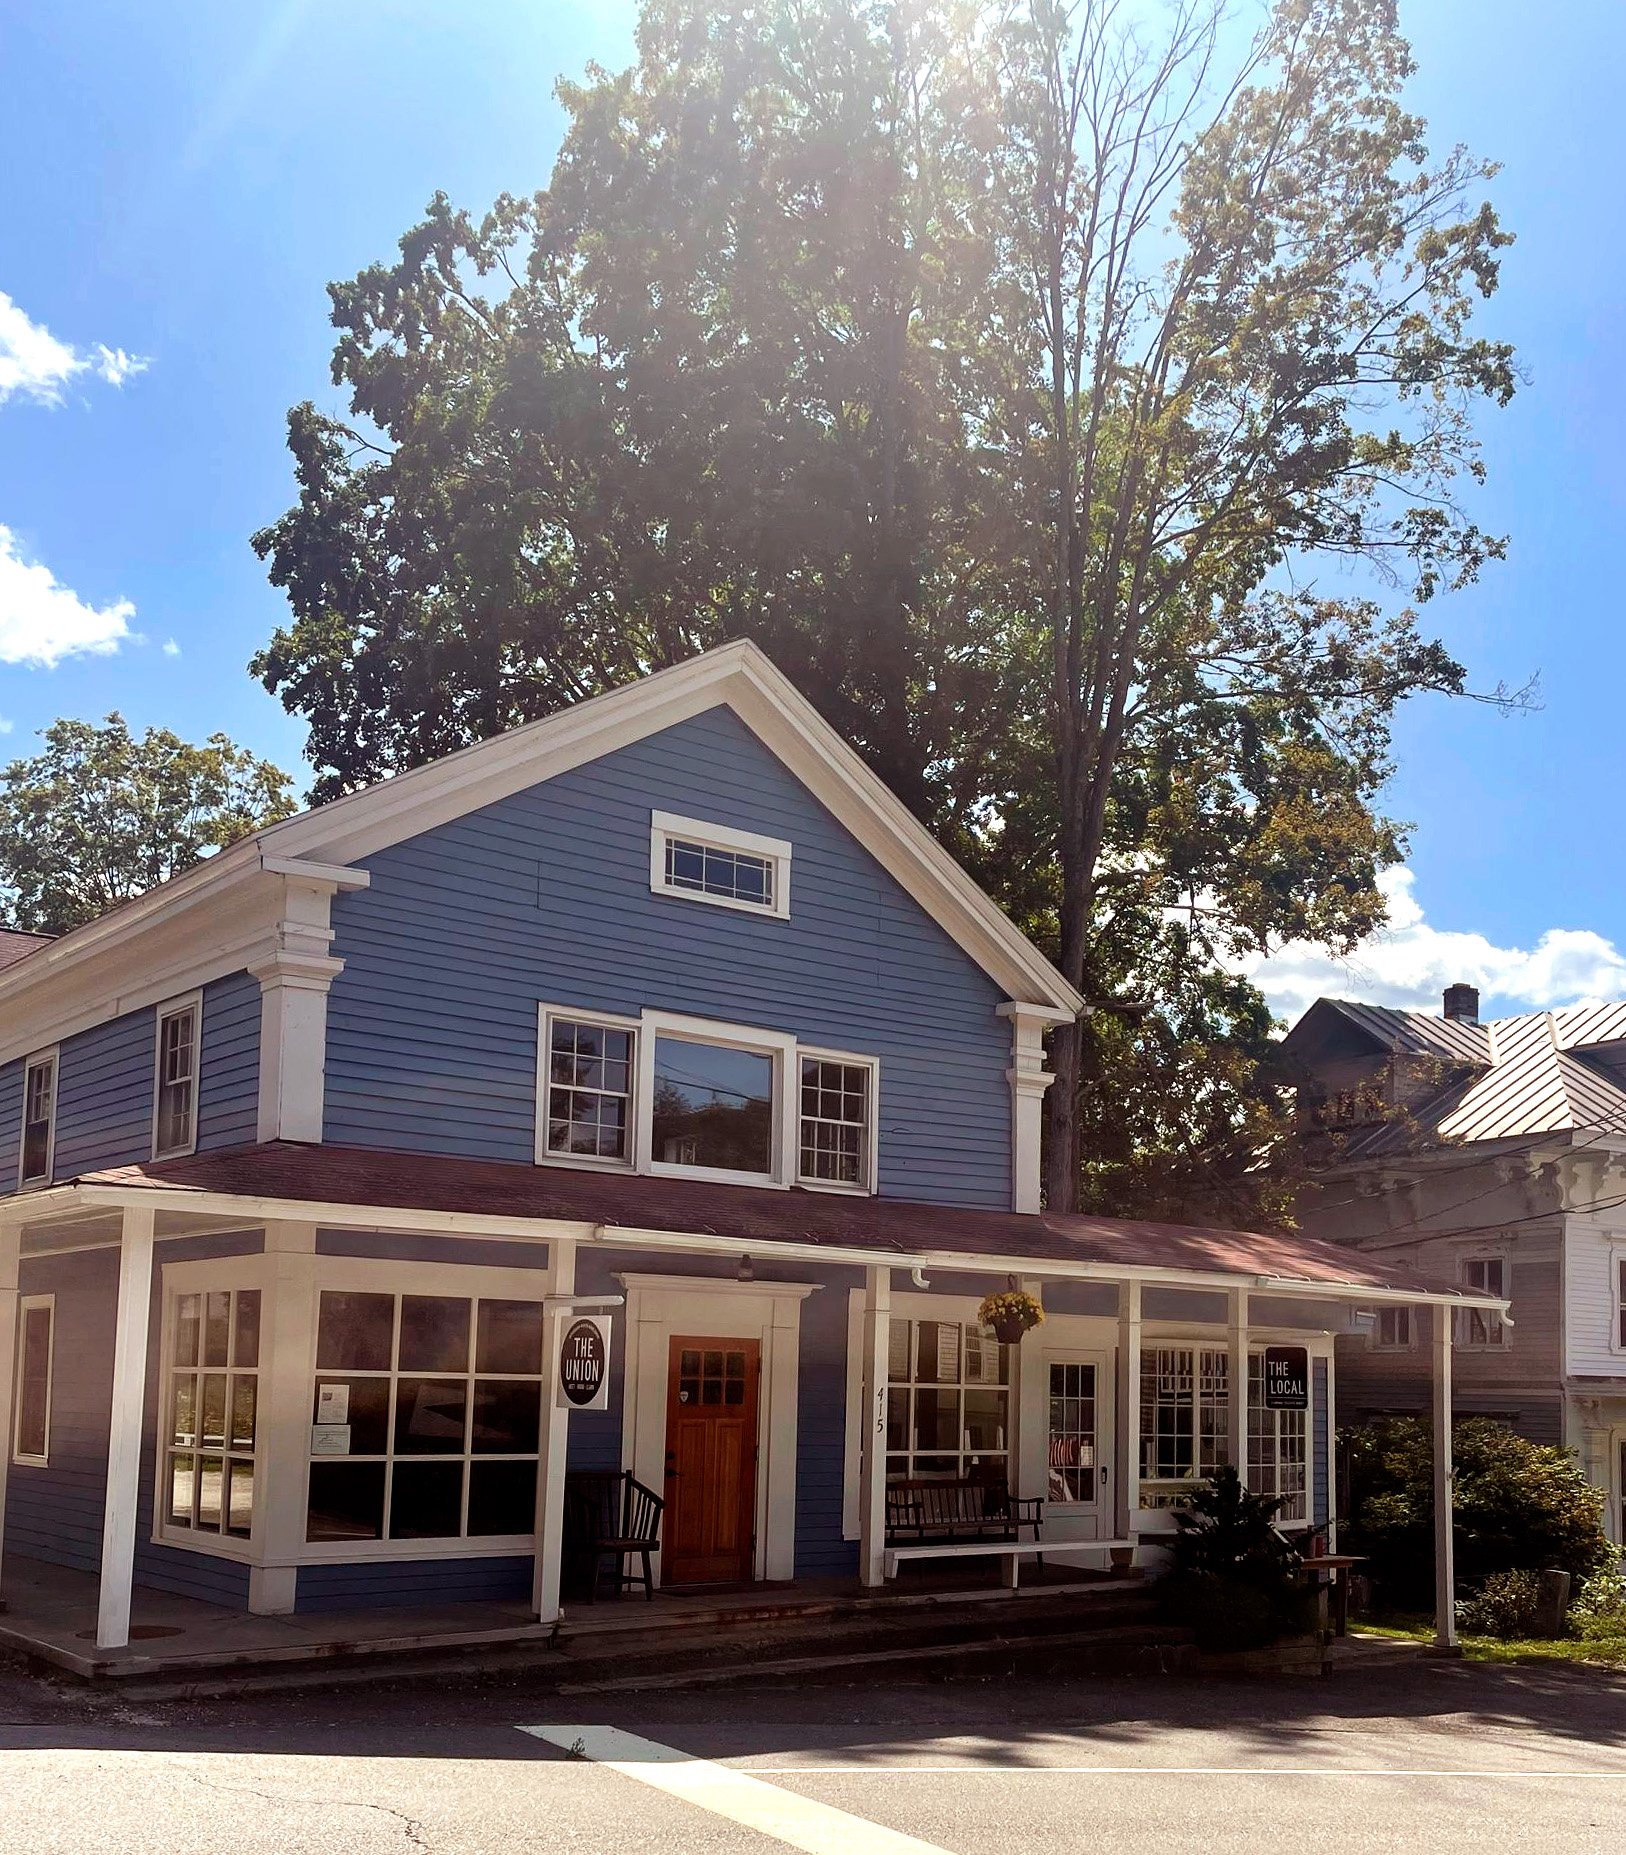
pixel 50 1615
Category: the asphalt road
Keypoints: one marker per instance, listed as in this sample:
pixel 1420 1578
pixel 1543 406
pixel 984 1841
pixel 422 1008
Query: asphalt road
pixel 1432 1758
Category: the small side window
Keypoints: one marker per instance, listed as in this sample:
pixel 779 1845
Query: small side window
pixel 1481 1328
pixel 39 1120
pixel 31 1434
pixel 1392 1333
pixel 175 1082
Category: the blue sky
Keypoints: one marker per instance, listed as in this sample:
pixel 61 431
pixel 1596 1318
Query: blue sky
pixel 185 179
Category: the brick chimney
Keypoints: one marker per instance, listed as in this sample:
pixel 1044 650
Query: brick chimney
pixel 1462 1004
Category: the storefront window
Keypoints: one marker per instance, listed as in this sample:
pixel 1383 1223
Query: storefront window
pixel 1184 1415
pixel 947 1402
pixel 212 1412
pixel 425 1418
pixel 1277 1459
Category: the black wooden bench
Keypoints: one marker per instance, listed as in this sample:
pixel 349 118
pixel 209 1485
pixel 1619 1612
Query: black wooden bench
pixel 964 1512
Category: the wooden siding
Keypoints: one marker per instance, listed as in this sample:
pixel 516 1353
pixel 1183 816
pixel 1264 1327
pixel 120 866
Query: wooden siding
pixel 11 1124
pixel 1594 1246
pixel 229 1075
pixel 405 1584
pixel 546 896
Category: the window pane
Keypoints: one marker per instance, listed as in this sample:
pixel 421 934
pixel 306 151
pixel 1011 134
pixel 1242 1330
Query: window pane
pixel 502 1498
pixel 242 1413
pixel 346 1501
pixel 506 1417
pixel 240 1508
pixel 937 1420
pixel 184 1410
pixel 508 1337
pixel 429 1416
pixel 214 1410
pixel 985 1421
pixel 426 1500
pixel 369 1412
pixel 355 1332
pixel 246 1345
pixel 897 1419
pixel 181 1472
pixel 713 1106
pixel 434 1334
pixel 211 1491
pixel 216 1328
pixel 937 1352
pixel 188 1313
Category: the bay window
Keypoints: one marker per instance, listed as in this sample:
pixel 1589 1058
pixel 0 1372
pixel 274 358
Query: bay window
pixel 425 1417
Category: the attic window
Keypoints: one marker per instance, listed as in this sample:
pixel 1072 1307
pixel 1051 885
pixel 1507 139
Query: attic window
pixel 714 863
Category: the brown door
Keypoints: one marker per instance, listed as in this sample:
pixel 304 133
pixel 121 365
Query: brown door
pixel 709 1528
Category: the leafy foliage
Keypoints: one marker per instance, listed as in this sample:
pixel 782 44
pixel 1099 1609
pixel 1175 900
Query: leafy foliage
pixel 1598 1614
pixel 102 815
pixel 1233 1578
pixel 1518 1506
pixel 1505 1605
pixel 1010 375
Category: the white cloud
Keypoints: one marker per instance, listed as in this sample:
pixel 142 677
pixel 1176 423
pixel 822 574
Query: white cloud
pixel 1410 963
pixel 36 365
pixel 43 621
pixel 171 648
pixel 6 724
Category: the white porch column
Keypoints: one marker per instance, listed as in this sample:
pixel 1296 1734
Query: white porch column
pixel 1445 1587
pixel 553 1441
pixel 125 1428
pixel 283 1420
pixel 1236 1323
pixel 872 1456
pixel 1029 1079
pixel 11 1238
pixel 1128 1407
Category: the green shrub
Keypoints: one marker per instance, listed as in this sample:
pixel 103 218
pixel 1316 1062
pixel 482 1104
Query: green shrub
pixel 1600 1610
pixel 1519 1506
pixel 1505 1605
pixel 1234 1581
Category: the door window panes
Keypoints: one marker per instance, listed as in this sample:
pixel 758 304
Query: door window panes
pixel 1074 1465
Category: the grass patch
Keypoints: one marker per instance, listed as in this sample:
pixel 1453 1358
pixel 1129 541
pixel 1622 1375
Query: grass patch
pixel 1585 1651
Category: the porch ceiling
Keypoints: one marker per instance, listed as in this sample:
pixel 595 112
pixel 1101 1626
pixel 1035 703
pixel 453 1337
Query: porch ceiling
pixel 413 1191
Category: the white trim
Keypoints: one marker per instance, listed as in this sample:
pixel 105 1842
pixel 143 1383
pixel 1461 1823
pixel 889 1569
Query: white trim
pixel 323 841
pixel 778 1046
pixel 26 1303
pixel 774 851
pixel 1495 1250
pixel 660 1307
pixel 868 1185
pixel 42 1180
pixel 609 1020
pixel 1029 1081
pixel 1375 1344
pixel 193 1002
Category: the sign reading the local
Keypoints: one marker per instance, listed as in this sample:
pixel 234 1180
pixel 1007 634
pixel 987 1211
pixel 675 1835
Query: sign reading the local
pixel 1287 1378
pixel 584 1364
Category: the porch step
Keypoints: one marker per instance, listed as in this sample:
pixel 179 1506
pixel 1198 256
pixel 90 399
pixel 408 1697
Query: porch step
pixel 1123 1649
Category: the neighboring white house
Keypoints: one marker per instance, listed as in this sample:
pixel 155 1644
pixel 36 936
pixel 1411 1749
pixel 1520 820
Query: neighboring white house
pixel 1495 1155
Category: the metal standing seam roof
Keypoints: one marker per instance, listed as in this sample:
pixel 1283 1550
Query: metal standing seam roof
pixel 885 1228
pixel 1416 1033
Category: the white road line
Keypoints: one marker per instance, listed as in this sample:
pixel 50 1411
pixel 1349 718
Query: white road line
pixel 800 1822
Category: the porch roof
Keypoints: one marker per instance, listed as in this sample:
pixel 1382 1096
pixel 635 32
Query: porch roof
pixel 395 1189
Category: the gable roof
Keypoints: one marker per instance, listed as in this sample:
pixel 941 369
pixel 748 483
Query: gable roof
pixel 1515 1076
pixel 739 675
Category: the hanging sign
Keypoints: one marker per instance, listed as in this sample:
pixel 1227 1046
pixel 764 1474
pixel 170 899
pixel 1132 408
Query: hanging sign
pixel 1287 1378
pixel 584 1364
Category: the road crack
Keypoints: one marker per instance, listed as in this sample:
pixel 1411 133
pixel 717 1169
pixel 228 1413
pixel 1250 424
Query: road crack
pixel 411 1826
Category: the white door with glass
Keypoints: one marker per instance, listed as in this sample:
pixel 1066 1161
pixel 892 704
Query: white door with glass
pixel 1078 1445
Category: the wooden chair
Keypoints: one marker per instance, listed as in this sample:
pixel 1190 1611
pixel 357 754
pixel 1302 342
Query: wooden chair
pixel 615 1517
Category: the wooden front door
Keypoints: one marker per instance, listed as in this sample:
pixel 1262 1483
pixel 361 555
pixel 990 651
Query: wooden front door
pixel 708 1533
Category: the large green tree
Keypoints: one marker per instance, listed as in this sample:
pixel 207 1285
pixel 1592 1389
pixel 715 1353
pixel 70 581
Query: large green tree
pixel 1015 377
pixel 101 815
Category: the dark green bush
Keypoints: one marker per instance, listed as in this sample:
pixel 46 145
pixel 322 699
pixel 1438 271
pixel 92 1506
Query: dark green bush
pixel 1519 1506
pixel 1505 1605
pixel 1234 1581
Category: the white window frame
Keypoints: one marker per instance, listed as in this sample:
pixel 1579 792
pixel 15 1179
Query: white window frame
pixel 870 1157
pixel 39 1181
pixel 1105 1444
pixel 786 1128
pixel 176 1007
pixel 608 1020
pixel 1617 1297
pixel 1498 1337
pixel 665 826
pixel 1375 1341
pixel 27 1304
pixel 1275 1421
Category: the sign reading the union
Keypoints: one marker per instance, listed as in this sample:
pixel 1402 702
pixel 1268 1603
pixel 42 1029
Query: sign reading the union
pixel 1287 1378
pixel 584 1364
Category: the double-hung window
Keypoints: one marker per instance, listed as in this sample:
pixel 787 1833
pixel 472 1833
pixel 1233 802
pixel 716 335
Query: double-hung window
pixel 425 1418
pixel 31 1432
pixel 1392 1330
pixel 39 1120
pixel 175 1079
pixel 1482 1328
pixel 837 1121
pixel 714 863
pixel 589 1065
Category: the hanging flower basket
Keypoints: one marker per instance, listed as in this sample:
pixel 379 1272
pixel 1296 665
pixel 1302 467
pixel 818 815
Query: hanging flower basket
pixel 1010 1313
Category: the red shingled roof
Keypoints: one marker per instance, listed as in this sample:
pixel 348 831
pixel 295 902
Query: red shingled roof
pixel 15 946
pixel 881 1226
